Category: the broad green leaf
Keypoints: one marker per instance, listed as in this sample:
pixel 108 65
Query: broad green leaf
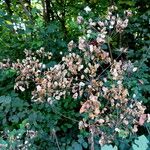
pixel 5 99
pixel 123 133
pixel 141 143
pixel 8 22
pixel 108 147
pixel 76 146
pixel 3 144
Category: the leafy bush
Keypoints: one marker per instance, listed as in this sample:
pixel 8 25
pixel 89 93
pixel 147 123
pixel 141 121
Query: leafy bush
pixel 87 90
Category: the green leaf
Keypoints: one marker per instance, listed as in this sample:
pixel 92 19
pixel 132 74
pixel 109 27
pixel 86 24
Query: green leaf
pixel 141 143
pixel 3 144
pixel 5 99
pixel 8 22
pixel 108 147
pixel 85 145
pixel 104 46
pixel 76 146
pixel 123 133
pixel 14 118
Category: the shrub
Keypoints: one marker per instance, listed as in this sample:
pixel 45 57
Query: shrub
pixel 92 75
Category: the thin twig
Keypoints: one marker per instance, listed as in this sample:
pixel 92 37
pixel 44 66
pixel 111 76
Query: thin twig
pixel 92 138
pixel 148 130
pixel 25 10
pixel 110 51
pixel 65 116
pixel 55 136
pixel 120 38
pixel 108 67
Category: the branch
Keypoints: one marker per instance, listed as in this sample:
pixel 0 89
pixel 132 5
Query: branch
pixel 55 136
pixel 92 138
pixel 110 51
pixel 25 10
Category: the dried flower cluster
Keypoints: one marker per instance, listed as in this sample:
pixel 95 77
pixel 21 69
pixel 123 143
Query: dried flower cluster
pixel 28 69
pixel 114 21
pixel 82 74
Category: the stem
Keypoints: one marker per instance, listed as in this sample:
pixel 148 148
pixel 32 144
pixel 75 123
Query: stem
pixel 107 67
pixel 120 38
pixel 92 138
pixel 58 113
pixel 54 133
pixel 110 51
pixel 148 130
pixel 26 11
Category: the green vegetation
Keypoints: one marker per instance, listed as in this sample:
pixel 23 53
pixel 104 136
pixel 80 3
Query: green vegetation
pixel 74 75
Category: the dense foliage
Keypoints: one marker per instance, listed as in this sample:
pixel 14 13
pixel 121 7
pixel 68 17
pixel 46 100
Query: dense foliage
pixel 88 88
